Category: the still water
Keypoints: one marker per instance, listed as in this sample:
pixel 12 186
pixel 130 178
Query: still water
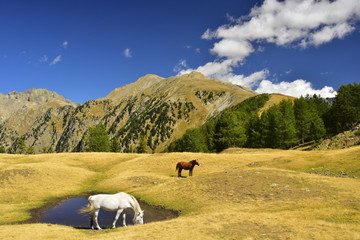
pixel 66 213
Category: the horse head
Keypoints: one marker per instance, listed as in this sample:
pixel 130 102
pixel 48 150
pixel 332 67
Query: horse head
pixel 139 217
pixel 195 162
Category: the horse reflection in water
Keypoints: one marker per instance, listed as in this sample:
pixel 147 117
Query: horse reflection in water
pixel 113 203
pixel 186 166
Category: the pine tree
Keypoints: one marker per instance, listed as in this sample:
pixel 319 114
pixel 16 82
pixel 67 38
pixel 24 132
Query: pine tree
pixel 345 112
pixel 309 124
pixel 21 146
pixel 141 148
pixel 278 126
pixel 303 118
pixel 287 125
pixel 230 132
pixel 97 139
pixel 114 145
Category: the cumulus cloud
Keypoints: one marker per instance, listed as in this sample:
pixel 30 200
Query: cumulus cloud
pixel 127 53
pixel 293 22
pixel 56 60
pixel 248 81
pixel 296 88
pixel 288 23
pixel 212 69
pixel 223 70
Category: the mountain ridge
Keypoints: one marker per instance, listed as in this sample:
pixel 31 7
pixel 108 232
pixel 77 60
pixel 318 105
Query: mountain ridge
pixel 155 108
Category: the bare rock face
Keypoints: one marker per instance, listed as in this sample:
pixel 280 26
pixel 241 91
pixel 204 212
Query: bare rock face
pixel 153 110
pixel 29 99
pixel 37 96
pixel 19 111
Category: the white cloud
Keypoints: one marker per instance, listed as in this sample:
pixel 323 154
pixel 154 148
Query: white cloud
pixel 180 66
pixel 127 53
pixel 208 34
pixel 296 88
pixel 56 60
pixel 330 32
pixel 233 49
pixel 65 44
pixel 212 69
pixel 249 81
pixel 292 22
pixel 43 59
pixel 288 23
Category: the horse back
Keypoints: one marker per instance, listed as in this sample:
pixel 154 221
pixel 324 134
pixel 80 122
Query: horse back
pixel 184 165
pixel 111 202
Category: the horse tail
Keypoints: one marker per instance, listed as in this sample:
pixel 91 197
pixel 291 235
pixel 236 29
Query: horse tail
pixel 89 208
pixel 177 166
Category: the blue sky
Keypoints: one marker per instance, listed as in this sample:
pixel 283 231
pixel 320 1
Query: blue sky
pixel 84 49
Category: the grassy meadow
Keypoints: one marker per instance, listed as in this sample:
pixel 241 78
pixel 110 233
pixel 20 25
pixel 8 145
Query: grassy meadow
pixel 237 194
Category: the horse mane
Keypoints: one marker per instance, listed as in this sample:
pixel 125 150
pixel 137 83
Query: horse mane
pixel 137 205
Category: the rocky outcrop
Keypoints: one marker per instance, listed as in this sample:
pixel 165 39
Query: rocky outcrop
pixel 342 140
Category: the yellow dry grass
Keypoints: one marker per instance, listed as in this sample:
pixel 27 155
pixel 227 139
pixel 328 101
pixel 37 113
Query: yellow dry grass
pixel 275 99
pixel 238 194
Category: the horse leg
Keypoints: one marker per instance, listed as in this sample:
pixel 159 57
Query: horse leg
pixel 95 219
pixel 116 217
pixel 124 220
pixel 91 221
pixel 179 172
pixel 190 172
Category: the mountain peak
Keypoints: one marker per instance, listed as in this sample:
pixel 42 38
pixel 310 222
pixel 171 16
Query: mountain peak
pixel 151 77
pixel 34 95
pixel 194 74
pixel 133 88
pixel 148 80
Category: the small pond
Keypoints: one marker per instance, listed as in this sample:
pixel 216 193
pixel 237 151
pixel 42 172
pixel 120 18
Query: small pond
pixel 66 213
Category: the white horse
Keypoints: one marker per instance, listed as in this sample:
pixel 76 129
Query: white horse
pixel 113 202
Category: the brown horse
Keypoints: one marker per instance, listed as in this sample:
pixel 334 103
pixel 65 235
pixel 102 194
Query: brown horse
pixel 186 166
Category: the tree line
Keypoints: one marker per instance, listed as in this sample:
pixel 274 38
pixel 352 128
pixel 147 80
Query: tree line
pixel 284 125
pixel 287 124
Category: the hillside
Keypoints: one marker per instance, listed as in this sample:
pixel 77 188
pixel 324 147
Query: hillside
pixel 237 194
pixel 159 109
pixel 20 110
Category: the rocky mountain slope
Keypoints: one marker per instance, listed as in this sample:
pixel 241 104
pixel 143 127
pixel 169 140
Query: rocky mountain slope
pixel 20 110
pixel 155 109
pixel 30 99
